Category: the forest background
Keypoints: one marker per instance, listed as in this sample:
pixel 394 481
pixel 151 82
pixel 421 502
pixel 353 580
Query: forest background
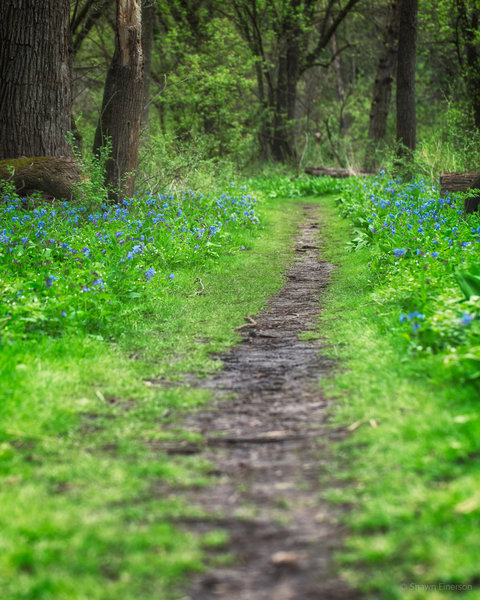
pixel 218 71
pixel 229 87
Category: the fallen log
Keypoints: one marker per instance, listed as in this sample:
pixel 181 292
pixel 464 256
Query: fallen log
pixel 53 175
pixel 462 182
pixel 336 172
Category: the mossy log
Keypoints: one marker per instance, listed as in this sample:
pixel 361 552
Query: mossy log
pixel 462 182
pixel 335 172
pixel 52 175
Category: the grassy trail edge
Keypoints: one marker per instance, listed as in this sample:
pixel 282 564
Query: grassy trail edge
pixel 413 506
pixel 88 511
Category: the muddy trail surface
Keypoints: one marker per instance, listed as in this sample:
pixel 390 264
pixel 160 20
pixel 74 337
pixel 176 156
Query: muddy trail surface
pixel 267 440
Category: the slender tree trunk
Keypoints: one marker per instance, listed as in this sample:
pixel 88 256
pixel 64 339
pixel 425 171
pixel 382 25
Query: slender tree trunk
pixel 35 92
pixel 148 21
pixel 382 87
pixel 123 99
pixel 407 38
pixel 283 142
pixel 264 131
pixel 343 120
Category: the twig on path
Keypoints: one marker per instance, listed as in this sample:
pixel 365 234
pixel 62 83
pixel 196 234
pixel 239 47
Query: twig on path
pixel 373 423
pixel 198 292
pixel 251 323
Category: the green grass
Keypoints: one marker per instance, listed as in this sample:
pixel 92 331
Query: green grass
pixel 92 509
pixel 410 460
pixel 89 503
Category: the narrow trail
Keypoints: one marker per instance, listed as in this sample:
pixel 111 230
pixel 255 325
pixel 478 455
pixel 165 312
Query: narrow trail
pixel 266 437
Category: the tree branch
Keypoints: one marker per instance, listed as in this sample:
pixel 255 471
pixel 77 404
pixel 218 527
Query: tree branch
pixel 327 34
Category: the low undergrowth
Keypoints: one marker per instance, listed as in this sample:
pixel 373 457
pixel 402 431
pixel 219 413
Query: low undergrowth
pixel 103 309
pixel 73 265
pixel 424 264
pixel 402 319
pixel 95 330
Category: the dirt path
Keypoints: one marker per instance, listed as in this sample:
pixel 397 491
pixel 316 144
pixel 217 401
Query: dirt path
pixel 267 444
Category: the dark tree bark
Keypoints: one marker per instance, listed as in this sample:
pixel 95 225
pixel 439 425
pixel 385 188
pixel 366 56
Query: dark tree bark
pixel 283 141
pixel 406 59
pixel 382 87
pixel 344 120
pixel 53 175
pixel 123 100
pixel 35 91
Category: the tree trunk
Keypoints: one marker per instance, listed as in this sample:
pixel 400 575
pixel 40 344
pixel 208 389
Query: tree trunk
pixel 264 135
pixel 283 142
pixel 35 92
pixel 53 175
pixel 407 38
pixel 343 119
pixel 382 87
pixel 122 100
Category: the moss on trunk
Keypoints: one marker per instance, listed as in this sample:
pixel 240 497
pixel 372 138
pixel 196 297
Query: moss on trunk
pixel 53 175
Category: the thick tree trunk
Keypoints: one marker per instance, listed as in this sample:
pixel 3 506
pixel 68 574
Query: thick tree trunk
pixel 382 87
pixel 407 40
pixel 123 100
pixel 35 93
pixel 53 175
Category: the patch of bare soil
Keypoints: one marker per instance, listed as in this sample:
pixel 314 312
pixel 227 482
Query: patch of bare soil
pixel 267 441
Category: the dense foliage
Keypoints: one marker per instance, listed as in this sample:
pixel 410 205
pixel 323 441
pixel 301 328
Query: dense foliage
pixel 213 92
pixel 72 265
pixel 424 265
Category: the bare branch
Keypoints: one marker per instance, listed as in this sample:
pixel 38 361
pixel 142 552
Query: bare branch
pixel 327 33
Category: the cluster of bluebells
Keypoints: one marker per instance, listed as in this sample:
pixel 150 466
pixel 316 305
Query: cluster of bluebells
pixel 419 239
pixel 57 256
pixel 414 318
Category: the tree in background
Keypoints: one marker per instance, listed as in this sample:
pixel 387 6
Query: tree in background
pixel 406 60
pixel 286 39
pixel 35 92
pixel 382 87
pixel 235 82
pixel 202 83
pixel 84 17
pixel 119 122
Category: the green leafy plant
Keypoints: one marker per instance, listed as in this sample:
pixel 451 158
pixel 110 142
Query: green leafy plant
pixel 469 280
